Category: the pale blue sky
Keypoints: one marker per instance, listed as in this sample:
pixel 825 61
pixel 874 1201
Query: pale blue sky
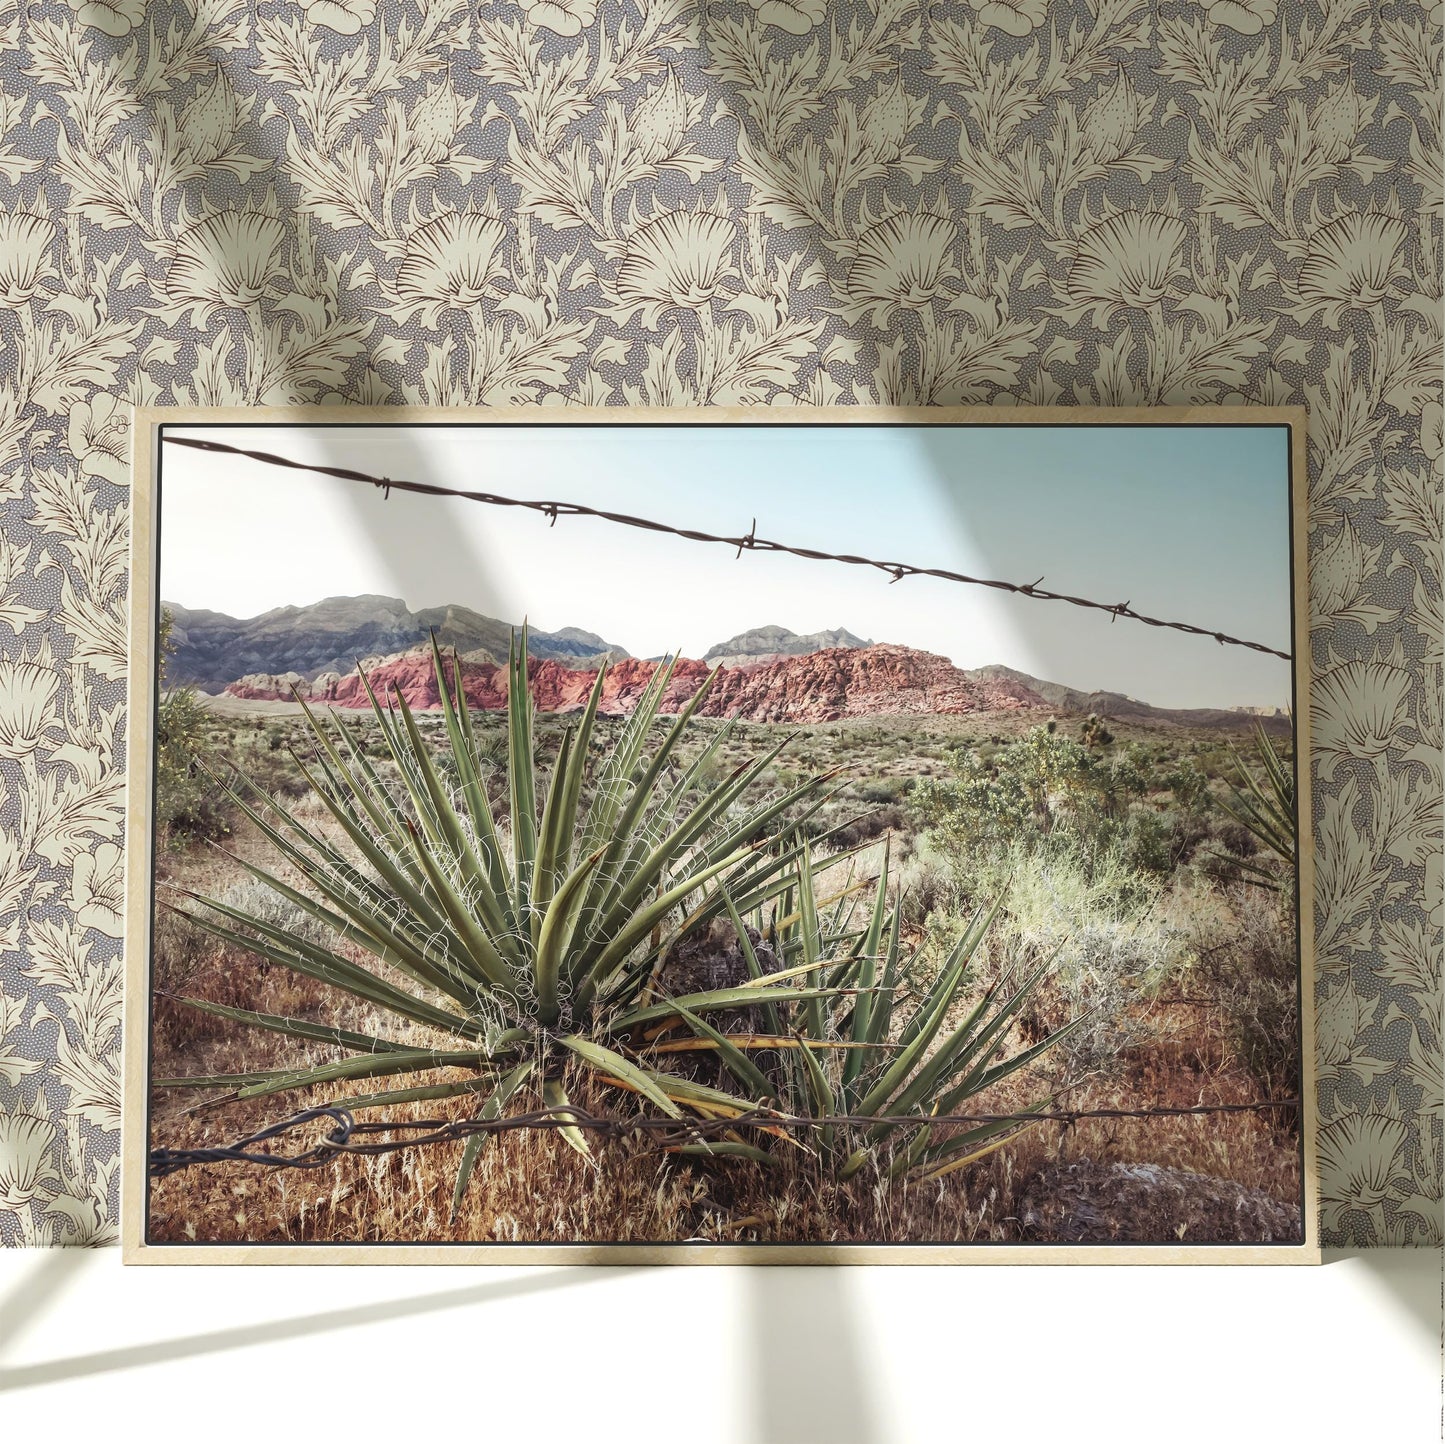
pixel 1188 524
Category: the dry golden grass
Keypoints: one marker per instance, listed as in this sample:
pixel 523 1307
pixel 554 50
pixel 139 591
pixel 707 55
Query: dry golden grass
pixel 529 1186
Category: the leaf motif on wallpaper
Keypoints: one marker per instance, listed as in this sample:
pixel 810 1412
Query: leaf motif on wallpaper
pixel 1341 567
pixel 29 710
pixel 70 810
pixel 62 956
pixel 959 363
pixel 1359 708
pixel 13 114
pixel 106 191
pixel 778 92
pixel 1362 1155
pixel 1426 618
pixel 1339 1021
pixel 1188 364
pixel 1344 424
pixel 26 1141
pixel 73 794
pixel 740 363
pixel 69 361
pixel 1415 502
pixel 1231 93
pixel 678 259
pixel 1242 189
pixel 59 956
pixel 329 90
pixel 1347 879
pixel 1407 823
pixel 14 564
pixel 1425 1065
pixel 13 1066
pixel 1403 374
pixel 1405 954
pixel 92 1080
pixel 18 872
pixel 1408 49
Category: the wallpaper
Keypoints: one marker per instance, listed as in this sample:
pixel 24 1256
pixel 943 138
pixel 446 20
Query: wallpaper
pixel 745 201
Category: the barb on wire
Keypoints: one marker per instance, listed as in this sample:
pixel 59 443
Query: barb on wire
pixel 748 542
pixel 669 1132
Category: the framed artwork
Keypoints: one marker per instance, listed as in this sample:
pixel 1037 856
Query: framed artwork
pixel 783 835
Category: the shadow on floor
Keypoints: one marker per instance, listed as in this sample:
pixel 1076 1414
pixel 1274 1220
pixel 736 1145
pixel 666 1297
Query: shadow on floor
pixel 810 1376
pixel 55 1273
pixel 1414 1278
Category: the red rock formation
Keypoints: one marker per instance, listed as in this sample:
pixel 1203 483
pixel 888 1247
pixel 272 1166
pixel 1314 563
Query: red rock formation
pixel 855 682
pixel 817 687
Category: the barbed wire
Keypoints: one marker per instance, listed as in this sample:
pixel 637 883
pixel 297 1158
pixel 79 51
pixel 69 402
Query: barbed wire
pixel 750 541
pixel 668 1132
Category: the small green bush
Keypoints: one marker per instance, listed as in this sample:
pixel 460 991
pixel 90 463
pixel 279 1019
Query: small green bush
pixel 188 808
pixel 1110 937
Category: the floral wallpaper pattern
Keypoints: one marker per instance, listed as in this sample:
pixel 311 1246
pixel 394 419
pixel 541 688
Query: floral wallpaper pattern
pixel 738 201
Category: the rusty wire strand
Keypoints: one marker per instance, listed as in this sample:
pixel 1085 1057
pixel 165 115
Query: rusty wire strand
pixel 669 1132
pixel 750 541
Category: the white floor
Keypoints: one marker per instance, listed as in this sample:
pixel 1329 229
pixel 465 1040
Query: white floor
pixel 1350 1351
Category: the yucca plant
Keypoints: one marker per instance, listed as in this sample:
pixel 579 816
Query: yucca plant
pixel 527 954
pixel 865 1041
pixel 1266 809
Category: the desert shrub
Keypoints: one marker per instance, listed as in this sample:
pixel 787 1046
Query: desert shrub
pixel 274 772
pixel 883 790
pixel 1039 783
pixel 1252 974
pixel 178 952
pixel 925 885
pixel 270 908
pixel 1093 733
pixel 1113 944
pixel 1045 790
pixel 1234 837
pixel 188 807
pixel 866 827
pixel 1190 787
pixel 1151 841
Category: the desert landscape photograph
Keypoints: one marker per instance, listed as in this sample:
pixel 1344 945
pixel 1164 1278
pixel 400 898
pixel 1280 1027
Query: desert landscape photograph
pixel 535 877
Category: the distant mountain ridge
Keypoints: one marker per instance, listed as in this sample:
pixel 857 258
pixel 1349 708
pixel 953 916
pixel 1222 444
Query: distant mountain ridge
pixel 214 650
pixel 1117 706
pixel 768 674
pixel 767 644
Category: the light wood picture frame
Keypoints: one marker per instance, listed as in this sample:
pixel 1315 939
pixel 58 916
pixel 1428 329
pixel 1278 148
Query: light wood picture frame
pixel 885 495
